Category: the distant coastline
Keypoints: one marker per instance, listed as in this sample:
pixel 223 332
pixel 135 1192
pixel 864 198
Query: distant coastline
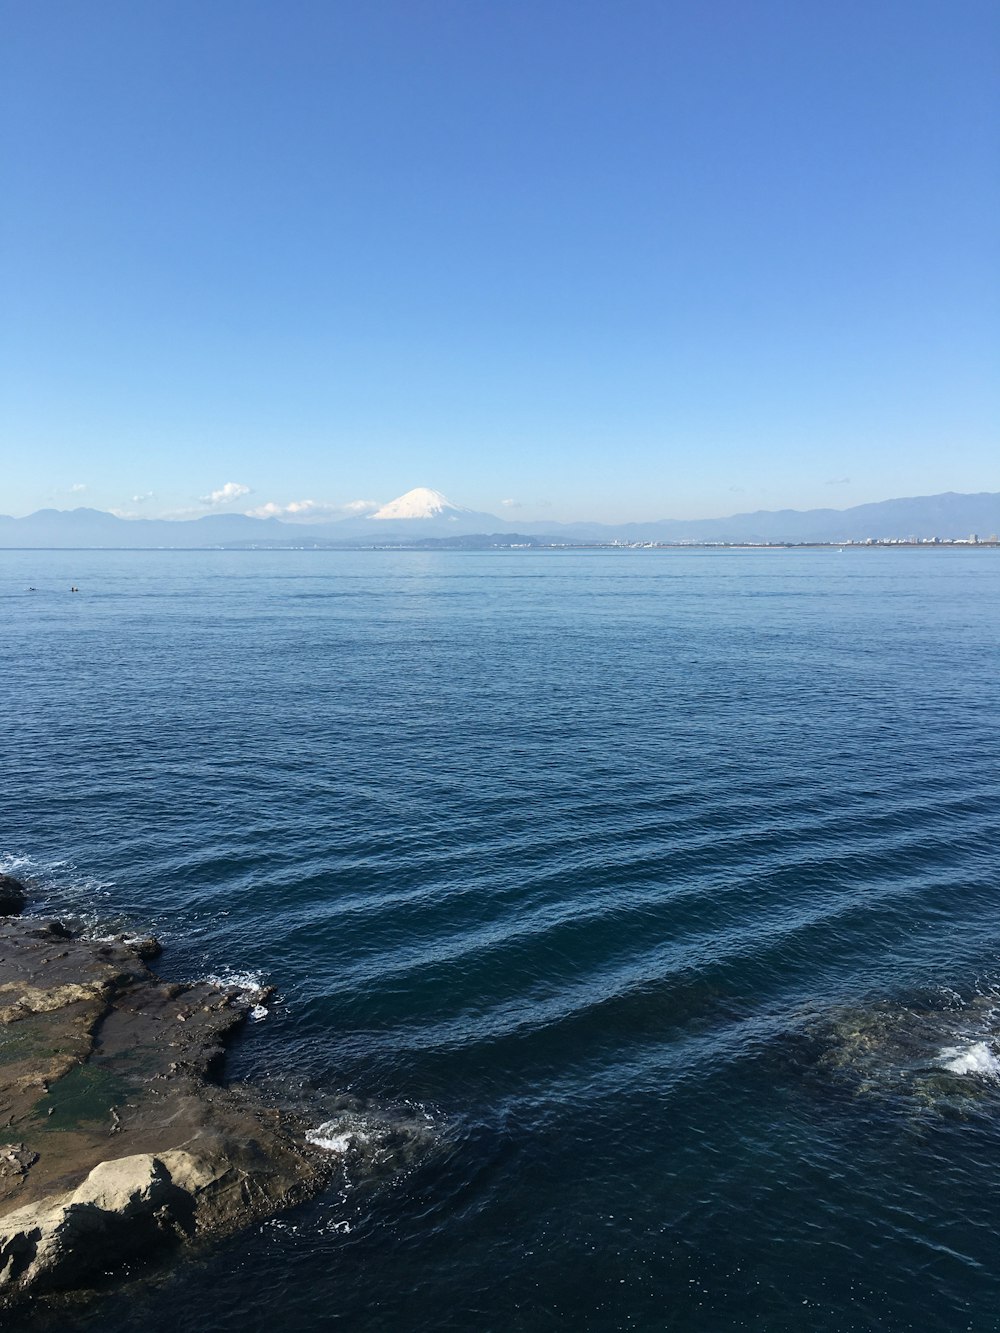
pixel 487 542
pixel 947 519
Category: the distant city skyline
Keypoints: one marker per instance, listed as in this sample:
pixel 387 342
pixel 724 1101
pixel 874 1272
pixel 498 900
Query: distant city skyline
pixel 576 261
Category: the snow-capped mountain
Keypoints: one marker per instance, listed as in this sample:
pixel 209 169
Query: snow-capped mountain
pixel 421 502
pixel 423 513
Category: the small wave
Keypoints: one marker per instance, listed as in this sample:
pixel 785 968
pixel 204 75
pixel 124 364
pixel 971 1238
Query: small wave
pixel 331 1137
pixel 377 1141
pixel 244 981
pixel 57 887
pixel 130 938
pixel 976 1058
pixel 61 889
pixel 356 1131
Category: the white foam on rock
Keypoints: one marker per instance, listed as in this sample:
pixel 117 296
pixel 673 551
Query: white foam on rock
pixel 251 986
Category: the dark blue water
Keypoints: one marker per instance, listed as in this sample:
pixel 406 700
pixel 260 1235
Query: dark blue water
pixel 660 888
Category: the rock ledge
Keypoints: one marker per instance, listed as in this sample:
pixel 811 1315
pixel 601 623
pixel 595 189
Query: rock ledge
pixel 116 1140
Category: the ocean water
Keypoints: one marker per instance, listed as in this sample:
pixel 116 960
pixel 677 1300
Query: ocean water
pixel 635 916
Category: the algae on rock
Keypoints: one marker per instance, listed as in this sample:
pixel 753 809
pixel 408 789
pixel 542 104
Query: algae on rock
pixel 119 1141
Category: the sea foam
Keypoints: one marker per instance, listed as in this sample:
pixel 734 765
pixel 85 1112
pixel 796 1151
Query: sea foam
pixel 251 986
pixel 976 1058
pixel 333 1138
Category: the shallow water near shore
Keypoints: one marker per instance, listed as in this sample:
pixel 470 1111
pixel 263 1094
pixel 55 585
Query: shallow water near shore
pixel 660 890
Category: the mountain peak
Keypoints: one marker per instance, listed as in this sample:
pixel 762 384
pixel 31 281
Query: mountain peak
pixel 421 502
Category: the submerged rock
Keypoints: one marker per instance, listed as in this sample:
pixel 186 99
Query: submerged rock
pixel 938 1058
pixel 119 1141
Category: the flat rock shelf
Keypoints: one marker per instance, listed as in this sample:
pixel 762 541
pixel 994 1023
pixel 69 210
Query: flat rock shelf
pixel 117 1138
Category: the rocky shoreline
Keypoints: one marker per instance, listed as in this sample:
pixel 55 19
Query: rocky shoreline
pixel 118 1139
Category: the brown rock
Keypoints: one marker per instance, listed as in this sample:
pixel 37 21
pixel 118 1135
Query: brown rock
pixel 92 1063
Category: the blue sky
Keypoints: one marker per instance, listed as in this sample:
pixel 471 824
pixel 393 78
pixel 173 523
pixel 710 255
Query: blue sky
pixel 597 260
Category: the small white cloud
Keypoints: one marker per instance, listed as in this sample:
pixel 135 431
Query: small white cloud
pixel 312 510
pixel 512 504
pixel 294 508
pixel 77 487
pixel 273 510
pixel 142 498
pixel 231 491
pixel 839 481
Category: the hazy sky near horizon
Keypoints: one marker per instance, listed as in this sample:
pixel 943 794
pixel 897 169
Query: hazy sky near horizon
pixel 555 258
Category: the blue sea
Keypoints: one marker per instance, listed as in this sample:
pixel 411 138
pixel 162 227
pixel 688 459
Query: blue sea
pixel 635 916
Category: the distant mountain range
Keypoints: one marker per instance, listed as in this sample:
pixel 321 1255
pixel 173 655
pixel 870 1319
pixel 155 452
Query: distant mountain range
pixel 424 514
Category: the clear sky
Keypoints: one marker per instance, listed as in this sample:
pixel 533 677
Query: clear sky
pixel 609 260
